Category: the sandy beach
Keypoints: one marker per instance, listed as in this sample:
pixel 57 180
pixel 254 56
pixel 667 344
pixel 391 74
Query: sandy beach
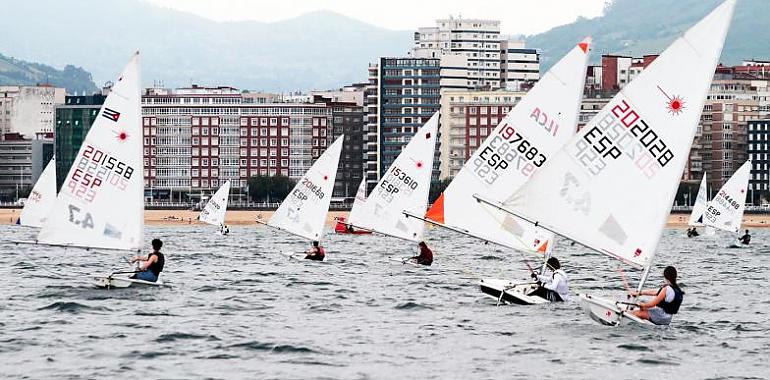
pixel 247 217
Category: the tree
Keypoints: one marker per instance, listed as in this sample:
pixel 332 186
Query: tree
pixel 269 189
pixel 436 188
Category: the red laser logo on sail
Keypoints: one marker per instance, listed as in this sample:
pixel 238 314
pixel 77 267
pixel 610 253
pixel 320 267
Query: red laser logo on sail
pixel 122 136
pixel 675 104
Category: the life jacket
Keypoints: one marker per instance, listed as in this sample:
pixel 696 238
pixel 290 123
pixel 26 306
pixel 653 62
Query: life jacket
pixel 673 306
pixel 321 252
pixel 158 265
pixel 425 257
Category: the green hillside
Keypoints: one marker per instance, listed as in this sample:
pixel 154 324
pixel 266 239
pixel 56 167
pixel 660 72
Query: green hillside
pixel 632 27
pixel 74 79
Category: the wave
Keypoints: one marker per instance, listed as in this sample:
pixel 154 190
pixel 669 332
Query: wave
pixel 72 307
pixel 272 347
pixel 173 337
pixel 412 306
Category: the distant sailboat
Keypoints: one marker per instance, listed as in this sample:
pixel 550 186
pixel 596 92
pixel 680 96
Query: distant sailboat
pixel 41 199
pixel 725 211
pixel 696 217
pixel 403 188
pixel 612 186
pixel 303 212
pixel 701 202
pixel 101 203
pixel 533 131
pixel 216 208
pixel 342 226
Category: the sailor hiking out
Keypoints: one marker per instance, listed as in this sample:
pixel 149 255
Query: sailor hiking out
pixel 668 298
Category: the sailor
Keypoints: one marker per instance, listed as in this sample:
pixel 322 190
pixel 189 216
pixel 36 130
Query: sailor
pixel 692 232
pixel 745 239
pixel 316 252
pixel 153 263
pixel 425 257
pixel 555 287
pixel 666 303
pixel 224 229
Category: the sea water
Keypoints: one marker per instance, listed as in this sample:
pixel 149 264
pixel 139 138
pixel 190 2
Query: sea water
pixel 238 308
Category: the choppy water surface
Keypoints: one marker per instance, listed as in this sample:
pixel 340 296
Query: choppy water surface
pixel 239 309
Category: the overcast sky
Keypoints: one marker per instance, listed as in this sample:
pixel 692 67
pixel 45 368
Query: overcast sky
pixel 517 16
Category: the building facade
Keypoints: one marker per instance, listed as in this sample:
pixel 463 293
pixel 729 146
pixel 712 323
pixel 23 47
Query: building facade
pixel 737 96
pixel 467 118
pixel 408 94
pixel 73 120
pixel 758 149
pixel 474 55
pixel 197 138
pixel 28 110
pixel 348 118
pixel 22 160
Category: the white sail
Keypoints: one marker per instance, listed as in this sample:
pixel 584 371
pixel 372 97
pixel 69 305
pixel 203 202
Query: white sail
pixel 304 210
pixel 41 199
pixel 404 187
pixel 533 131
pixel 725 211
pixel 216 208
pixel 101 203
pixel 696 218
pixel 358 204
pixel 612 186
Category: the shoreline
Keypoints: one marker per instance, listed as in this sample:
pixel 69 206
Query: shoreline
pixel 247 217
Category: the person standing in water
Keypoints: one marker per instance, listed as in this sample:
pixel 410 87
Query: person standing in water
pixel 426 255
pixel 555 287
pixel 661 309
pixel 316 252
pixel 745 239
pixel 153 263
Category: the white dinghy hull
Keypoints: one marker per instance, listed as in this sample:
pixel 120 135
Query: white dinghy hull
pixel 516 293
pixel 108 282
pixel 608 312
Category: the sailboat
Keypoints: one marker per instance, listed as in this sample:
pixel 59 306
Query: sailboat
pixel 725 211
pixel 101 204
pixel 404 188
pixel 41 199
pixel 216 208
pixel 534 130
pixel 612 186
pixel 696 217
pixel 303 212
pixel 342 227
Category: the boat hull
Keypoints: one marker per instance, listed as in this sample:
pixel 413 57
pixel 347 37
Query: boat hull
pixel 608 312
pixel 342 228
pixel 109 282
pixel 515 293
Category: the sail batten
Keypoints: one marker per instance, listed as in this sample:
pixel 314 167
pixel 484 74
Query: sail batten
pixel 303 212
pixel 524 140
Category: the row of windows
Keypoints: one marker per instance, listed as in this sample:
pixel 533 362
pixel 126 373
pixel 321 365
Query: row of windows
pixel 264 131
pixel 263 142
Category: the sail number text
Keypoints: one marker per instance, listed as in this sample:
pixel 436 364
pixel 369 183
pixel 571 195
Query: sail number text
pixel 622 132
pixel 95 168
pixel 394 182
pixel 507 149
